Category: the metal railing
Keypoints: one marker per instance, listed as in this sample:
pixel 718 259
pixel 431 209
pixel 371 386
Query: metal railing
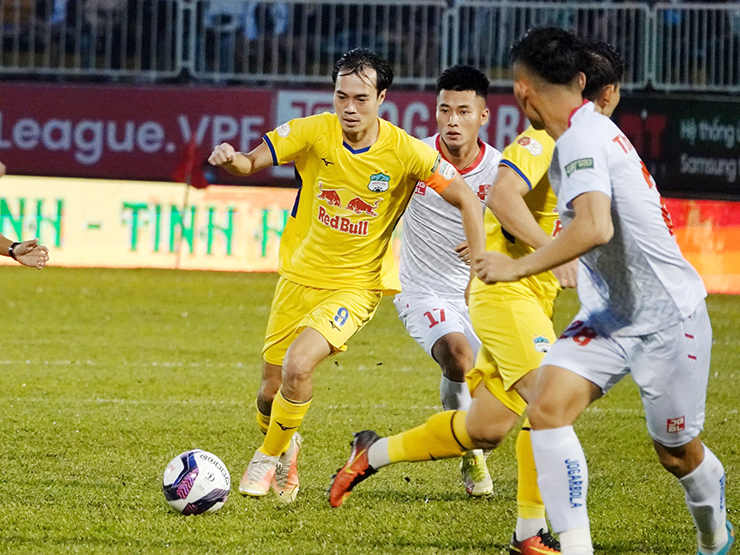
pixel 483 31
pixel 669 46
pixel 297 40
pixel 697 47
pixel 95 38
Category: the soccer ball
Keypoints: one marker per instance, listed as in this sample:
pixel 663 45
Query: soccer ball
pixel 195 482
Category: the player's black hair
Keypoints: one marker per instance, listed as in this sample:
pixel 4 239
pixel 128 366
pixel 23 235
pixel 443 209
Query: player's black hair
pixel 603 66
pixel 554 54
pixel 464 78
pixel 357 60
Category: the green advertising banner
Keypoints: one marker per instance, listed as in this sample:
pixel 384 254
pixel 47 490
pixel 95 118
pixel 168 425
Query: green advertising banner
pixel 691 145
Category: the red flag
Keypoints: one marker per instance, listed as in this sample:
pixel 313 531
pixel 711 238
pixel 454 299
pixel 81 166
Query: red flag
pixel 189 170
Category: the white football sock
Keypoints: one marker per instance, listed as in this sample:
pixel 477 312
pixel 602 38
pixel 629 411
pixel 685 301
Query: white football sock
pixel 528 527
pixel 705 497
pixel 454 395
pixel 377 454
pixel 562 476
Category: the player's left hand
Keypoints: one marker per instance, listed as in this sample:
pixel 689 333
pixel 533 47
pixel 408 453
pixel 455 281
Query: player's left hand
pixel 463 252
pixel 30 253
pixel 495 266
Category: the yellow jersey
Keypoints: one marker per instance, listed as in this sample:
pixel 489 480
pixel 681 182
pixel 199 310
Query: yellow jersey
pixel 349 200
pixel 529 156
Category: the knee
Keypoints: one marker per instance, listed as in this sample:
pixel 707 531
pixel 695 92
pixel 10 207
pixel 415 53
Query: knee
pixel 484 436
pixel 671 463
pixel 680 461
pixel 455 359
pixel 544 414
pixel 294 372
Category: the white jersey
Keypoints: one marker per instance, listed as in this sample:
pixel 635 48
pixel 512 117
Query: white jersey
pixel 432 228
pixel 639 282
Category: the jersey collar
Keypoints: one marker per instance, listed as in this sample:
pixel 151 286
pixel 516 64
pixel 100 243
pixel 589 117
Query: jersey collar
pixel 577 110
pixel 474 164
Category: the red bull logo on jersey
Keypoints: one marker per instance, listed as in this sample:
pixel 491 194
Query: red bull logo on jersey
pixel 331 196
pixel 338 206
pixel 340 223
pixel 359 206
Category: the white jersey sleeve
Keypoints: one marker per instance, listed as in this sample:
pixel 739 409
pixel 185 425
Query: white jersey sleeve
pixel 432 228
pixel 639 282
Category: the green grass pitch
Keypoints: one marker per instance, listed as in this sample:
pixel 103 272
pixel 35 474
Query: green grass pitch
pixel 108 374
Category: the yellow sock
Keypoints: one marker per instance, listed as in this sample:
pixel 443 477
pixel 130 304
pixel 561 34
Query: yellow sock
pixel 528 498
pixel 441 437
pixel 263 420
pixel 285 419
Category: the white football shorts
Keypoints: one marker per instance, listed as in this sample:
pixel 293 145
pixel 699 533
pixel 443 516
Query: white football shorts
pixel 428 318
pixel 671 368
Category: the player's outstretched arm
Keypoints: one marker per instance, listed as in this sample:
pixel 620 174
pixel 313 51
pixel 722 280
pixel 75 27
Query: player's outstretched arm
pixel 239 163
pixel 591 227
pixel 29 253
pixel 460 196
pixel 506 201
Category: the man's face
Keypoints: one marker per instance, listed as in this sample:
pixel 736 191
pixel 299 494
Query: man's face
pixel 356 101
pixel 527 95
pixel 460 114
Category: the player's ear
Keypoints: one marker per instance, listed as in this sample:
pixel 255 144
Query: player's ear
pixel 381 96
pixel 485 114
pixel 521 91
pixel 581 80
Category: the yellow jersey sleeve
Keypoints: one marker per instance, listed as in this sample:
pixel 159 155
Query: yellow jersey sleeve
pixel 294 138
pixel 530 156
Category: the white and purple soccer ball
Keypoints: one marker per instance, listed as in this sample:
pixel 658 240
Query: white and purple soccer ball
pixel 196 482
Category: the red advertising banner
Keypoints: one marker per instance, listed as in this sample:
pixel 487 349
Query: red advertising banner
pixel 708 233
pixel 142 133
pixel 136 133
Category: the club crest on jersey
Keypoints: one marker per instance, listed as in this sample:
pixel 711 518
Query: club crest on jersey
pixel 284 130
pixel 541 343
pixel 531 145
pixel 580 164
pixel 379 182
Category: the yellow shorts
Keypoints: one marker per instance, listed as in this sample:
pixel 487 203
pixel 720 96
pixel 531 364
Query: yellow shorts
pixel 337 314
pixel 515 328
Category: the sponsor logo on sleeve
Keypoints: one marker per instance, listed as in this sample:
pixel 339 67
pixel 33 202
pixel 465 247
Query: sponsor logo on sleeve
pixel 284 130
pixel 533 146
pixel 447 170
pixel 437 161
pixel 580 164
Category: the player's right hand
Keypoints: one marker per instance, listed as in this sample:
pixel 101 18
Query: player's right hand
pixel 463 252
pixel 222 154
pixel 567 274
pixel 30 253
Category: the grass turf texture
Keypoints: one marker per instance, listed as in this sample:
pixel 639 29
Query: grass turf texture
pixel 108 374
